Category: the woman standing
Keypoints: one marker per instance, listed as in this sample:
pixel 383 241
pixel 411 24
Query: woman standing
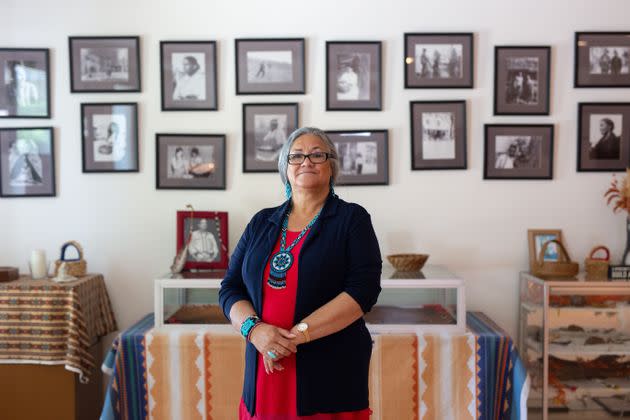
pixel 299 281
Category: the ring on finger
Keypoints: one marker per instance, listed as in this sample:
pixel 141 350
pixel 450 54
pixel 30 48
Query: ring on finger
pixel 272 354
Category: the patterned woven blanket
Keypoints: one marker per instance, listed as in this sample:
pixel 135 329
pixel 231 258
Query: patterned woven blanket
pixel 198 374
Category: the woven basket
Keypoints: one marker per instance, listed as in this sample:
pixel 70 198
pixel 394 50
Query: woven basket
pixel 597 268
pixel 408 262
pixel 563 269
pixel 74 267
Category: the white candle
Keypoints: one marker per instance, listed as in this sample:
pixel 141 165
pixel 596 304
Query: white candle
pixel 38 264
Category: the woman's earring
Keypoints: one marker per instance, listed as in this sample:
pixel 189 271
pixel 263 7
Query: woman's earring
pixel 287 190
pixel 332 188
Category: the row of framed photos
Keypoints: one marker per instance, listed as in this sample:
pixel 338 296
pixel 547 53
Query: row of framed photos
pixel 277 66
pixel 438 141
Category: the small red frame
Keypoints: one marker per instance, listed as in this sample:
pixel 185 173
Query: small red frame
pixel 222 217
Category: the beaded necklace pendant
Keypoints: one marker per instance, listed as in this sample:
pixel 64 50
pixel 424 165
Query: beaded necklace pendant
pixel 282 260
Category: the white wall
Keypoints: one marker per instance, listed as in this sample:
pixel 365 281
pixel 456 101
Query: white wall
pixel 477 228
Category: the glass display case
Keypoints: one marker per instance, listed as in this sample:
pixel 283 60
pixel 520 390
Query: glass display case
pixel 575 339
pixel 190 300
pixel 428 301
pixel 431 300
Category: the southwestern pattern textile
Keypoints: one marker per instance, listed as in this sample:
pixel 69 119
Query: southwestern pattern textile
pixel 43 322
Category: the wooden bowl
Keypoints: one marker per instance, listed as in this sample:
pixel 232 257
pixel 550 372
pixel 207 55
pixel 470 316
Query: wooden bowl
pixel 408 262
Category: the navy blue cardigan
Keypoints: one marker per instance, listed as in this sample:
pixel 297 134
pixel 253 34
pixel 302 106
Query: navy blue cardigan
pixel 340 253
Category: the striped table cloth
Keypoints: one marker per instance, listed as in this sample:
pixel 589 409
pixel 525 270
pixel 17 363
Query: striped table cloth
pixel 198 374
pixel 43 322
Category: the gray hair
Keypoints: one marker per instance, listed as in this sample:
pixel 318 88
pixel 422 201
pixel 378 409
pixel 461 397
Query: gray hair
pixel 283 159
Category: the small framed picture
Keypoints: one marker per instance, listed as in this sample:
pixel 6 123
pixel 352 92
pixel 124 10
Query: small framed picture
pixel 266 128
pixel 537 238
pixel 603 136
pixel 363 156
pixel 523 151
pixel 24 83
pixel 104 64
pixel 353 76
pixel 521 80
pixel 206 234
pixel 438 60
pixel 270 66
pixel 438 135
pixel 27 162
pixel 190 161
pixel 110 137
pixel 602 59
pixel 188 75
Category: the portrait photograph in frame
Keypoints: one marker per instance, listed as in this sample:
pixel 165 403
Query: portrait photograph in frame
pixel 188 72
pixel 190 161
pixel 603 136
pixel 438 135
pixel 439 60
pixel 521 80
pixel 518 151
pixel 104 64
pixel 266 127
pixel 24 83
pixel 27 162
pixel 110 137
pixel 353 76
pixel 362 155
pixel 602 59
pixel 270 66
pixel 208 240
pixel 537 238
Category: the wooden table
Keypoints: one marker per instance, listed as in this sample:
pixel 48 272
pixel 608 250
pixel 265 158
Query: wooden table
pixel 50 347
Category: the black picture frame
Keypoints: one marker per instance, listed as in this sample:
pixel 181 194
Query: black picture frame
pixel 264 158
pixel 190 96
pixel 35 177
pixel 416 76
pixel 96 126
pixel 351 172
pixel 591 116
pixel 250 56
pixel 80 63
pixel 588 72
pixel 438 154
pixel 534 163
pixel 532 95
pixel 362 60
pixel 31 61
pixel 165 178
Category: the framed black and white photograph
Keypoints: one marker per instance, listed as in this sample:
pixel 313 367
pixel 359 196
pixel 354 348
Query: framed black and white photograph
pixel 439 60
pixel 353 76
pixel 518 151
pixel 206 233
pixel 270 66
pixel 363 156
pixel 188 75
pixel 603 136
pixel 24 83
pixel 27 162
pixel 521 80
pixel 266 128
pixel 190 161
pixel 104 64
pixel 602 59
pixel 110 137
pixel 438 135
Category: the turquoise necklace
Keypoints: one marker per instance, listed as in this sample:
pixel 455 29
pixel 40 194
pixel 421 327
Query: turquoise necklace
pixel 282 260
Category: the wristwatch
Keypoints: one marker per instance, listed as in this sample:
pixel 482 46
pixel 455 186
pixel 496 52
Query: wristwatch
pixel 303 328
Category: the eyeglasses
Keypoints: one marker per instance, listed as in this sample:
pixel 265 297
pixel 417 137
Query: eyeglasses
pixel 315 157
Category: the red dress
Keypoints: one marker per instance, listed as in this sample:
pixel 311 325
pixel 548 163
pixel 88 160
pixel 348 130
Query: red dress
pixel 276 393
